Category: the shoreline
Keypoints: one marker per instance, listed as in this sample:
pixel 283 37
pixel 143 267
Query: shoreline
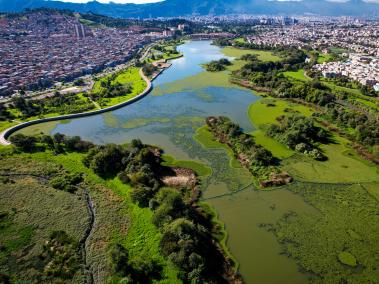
pixel 8 132
pixel 4 135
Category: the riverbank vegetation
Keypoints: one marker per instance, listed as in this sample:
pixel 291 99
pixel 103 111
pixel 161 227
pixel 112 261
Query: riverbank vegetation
pixel 58 104
pixel 345 110
pixel 169 194
pixel 107 91
pixel 48 251
pixel 164 50
pixel 175 212
pixel 330 240
pixel 300 133
pixel 258 160
pixel 217 65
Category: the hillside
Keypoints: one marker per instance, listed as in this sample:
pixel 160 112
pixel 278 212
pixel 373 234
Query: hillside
pixel 172 8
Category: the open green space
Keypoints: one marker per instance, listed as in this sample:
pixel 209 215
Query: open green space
pixel 165 50
pixel 146 247
pixel 265 111
pixel 30 211
pixel 262 54
pixel 277 149
pixel 324 57
pixel 129 77
pixel 343 166
pixel 297 75
pixel 240 40
pixel 340 88
pixel 6 124
pixel 201 170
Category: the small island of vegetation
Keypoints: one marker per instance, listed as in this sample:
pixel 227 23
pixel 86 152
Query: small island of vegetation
pixel 217 65
pixel 258 160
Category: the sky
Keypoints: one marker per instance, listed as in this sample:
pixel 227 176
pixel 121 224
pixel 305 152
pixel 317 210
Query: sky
pixel 114 1
pixel 150 1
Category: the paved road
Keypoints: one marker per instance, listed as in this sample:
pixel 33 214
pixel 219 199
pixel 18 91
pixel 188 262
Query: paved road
pixel 6 133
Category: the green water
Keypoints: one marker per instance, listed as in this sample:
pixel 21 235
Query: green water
pixel 169 118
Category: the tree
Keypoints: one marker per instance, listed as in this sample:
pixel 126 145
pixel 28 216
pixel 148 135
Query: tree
pixel 106 160
pixel 58 138
pixel 46 139
pixel 23 143
pixel 142 196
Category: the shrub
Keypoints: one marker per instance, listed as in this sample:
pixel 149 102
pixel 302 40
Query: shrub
pixel 23 143
pixel 67 182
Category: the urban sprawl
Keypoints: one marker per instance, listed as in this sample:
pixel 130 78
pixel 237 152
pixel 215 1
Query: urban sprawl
pixel 40 49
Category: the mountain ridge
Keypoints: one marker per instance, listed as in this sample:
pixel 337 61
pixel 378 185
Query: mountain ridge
pixel 175 8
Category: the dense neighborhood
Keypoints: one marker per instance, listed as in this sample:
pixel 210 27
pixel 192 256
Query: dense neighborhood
pixel 39 49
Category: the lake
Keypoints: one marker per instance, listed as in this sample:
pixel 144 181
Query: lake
pixel 183 97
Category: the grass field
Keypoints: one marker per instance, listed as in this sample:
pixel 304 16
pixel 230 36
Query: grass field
pixel 277 149
pixel 343 166
pixel 128 76
pixel 265 111
pixel 324 58
pixel 142 237
pixel 297 75
pixel 240 40
pixel 33 210
pixel 262 54
pixel 201 170
pixel 6 124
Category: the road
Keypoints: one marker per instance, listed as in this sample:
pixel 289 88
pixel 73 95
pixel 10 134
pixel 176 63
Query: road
pixel 6 133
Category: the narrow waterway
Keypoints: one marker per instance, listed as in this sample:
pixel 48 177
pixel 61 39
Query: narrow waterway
pixel 169 117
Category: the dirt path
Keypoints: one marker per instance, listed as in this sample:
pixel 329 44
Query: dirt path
pixel 87 234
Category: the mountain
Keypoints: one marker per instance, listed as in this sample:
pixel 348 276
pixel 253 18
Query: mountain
pixel 173 8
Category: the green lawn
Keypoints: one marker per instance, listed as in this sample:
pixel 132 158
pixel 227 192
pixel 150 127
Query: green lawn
pixel 128 76
pixel 262 54
pixel 343 166
pixel 277 149
pixel 324 58
pixel 297 75
pixel 265 111
pixel 6 124
pixel 201 169
pixel 240 40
